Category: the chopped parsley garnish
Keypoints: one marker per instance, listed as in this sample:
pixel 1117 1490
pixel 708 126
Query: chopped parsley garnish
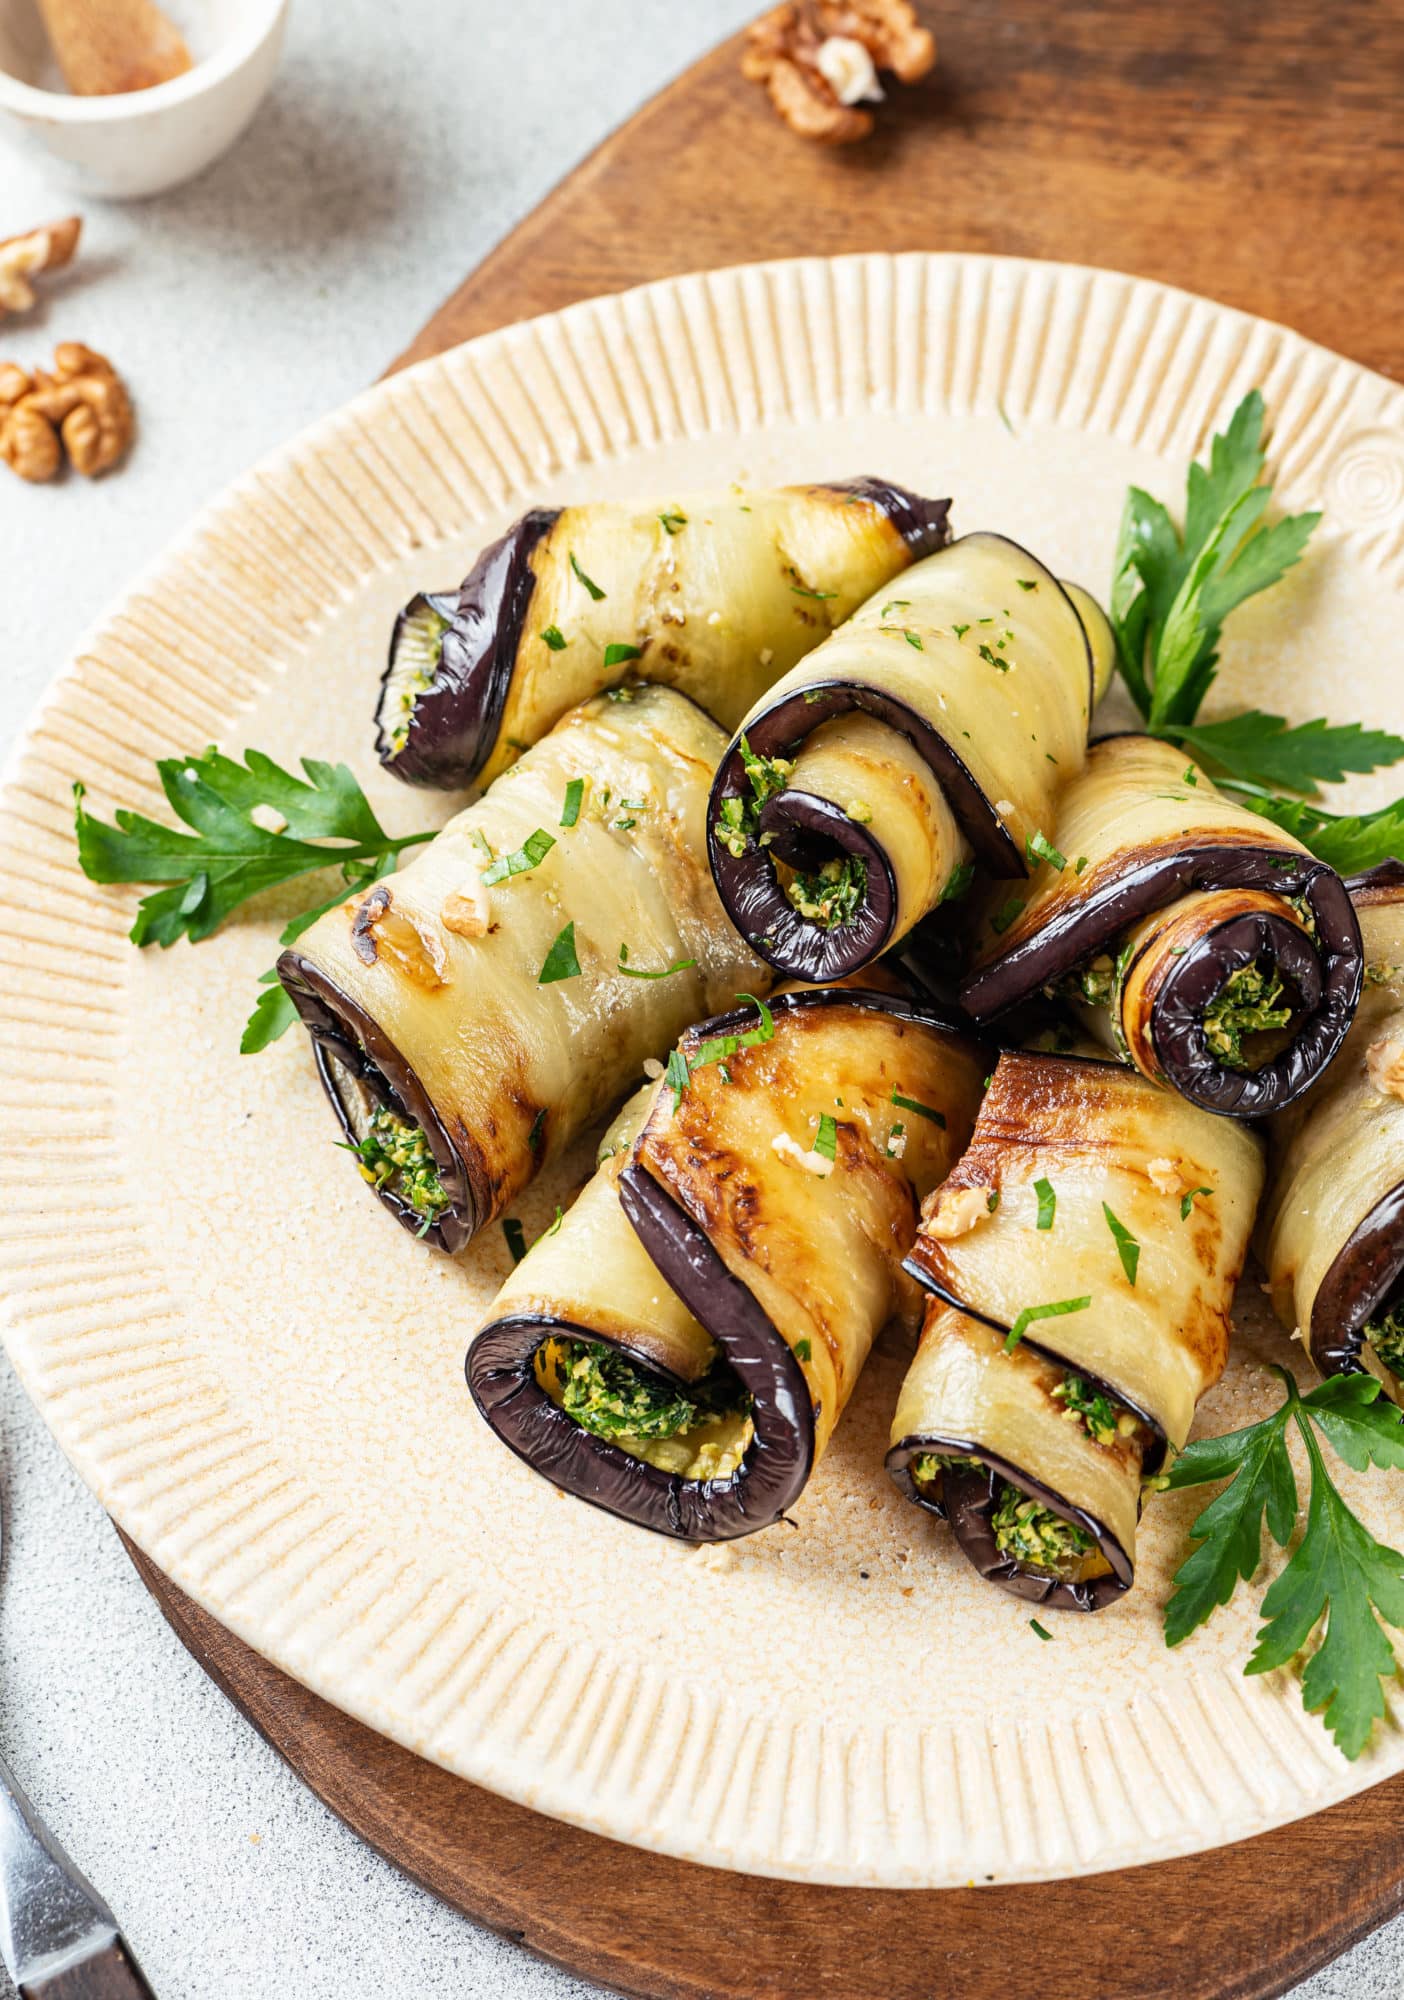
pixel 738 819
pixel 1026 582
pixel 1338 1574
pixel 992 1200
pixel 561 961
pixel 1034 1626
pixel 895 604
pixel 913 638
pixel 617 653
pixel 529 855
pixel 555 638
pixel 673 521
pixel 921 1110
pixel 802 1349
pixel 958 881
pixel 675 1077
pixel 803 590
pixel 993 658
pixel 826 1138
pixel 1038 847
pixel 1079 864
pixel 1006 913
pixel 1127 1248
pixel 719 1047
pixel 1047 1203
pixel 638 972
pixel 1030 1314
pixel 574 793
pixel 1187 1204
pixel 960 630
pixel 588 581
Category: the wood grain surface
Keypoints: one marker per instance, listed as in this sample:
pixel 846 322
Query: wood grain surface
pixel 1251 154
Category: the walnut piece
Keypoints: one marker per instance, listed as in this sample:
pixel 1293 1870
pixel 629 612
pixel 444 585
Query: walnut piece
pixel 82 406
pixel 22 257
pixel 819 59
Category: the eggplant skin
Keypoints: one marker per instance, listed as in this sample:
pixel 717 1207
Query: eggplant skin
pixel 453 724
pixel 971 1498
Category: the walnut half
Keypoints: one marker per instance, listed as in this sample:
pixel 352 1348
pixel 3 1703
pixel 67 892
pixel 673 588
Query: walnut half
pixel 819 61
pixel 82 408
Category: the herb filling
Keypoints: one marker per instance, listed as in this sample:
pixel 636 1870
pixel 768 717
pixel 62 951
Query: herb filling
pixel 1386 1335
pixel 1098 1413
pixel 833 894
pixel 736 828
pixel 613 1396
pixel 395 1155
pixel 928 1466
pixel 1035 1537
pixel 416 662
pixel 1250 1002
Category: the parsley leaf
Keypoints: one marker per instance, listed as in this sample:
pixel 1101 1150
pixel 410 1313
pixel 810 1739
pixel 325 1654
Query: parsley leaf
pixel 1047 1203
pixel 1187 1203
pixel 1339 1572
pixel 229 856
pixel 1171 594
pixel 616 654
pixel 826 1138
pixel 638 972
pixel 1350 842
pixel 1263 750
pixel 554 638
pixel 574 793
pixel 1038 847
pixel 561 961
pixel 922 1110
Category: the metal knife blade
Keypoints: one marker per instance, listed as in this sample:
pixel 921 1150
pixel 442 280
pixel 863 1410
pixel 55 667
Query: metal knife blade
pixel 58 1938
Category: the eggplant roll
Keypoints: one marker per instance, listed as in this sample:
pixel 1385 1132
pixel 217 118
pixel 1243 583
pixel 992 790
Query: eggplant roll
pixel 679 1350
pixel 477 1010
pixel 1195 940
pixel 1099 1225
pixel 1332 1236
pixel 717 596
pixel 931 730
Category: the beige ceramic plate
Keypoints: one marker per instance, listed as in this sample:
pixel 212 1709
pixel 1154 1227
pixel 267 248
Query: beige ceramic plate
pixel 260 1375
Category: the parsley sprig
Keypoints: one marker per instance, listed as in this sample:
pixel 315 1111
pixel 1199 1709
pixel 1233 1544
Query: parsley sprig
pixel 252 826
pixel 1340 1579
pixel 1171 593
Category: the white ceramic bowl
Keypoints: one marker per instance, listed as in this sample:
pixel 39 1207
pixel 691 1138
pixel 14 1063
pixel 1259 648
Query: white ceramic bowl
pixel 145 140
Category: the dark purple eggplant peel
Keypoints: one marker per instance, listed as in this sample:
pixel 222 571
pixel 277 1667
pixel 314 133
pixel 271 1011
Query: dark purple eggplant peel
pixel 447 732
pixel 659 1196
pixel 529 607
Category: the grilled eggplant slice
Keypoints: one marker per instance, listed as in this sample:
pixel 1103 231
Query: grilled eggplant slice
pixel 1196 940
pixel 1100 1225
pixel 1332 1236
pixel 475 1011
pixel 931 730
pixel 717 596
pixel 679 1351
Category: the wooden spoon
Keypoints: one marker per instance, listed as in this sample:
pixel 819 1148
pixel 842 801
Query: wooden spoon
pixel 105 47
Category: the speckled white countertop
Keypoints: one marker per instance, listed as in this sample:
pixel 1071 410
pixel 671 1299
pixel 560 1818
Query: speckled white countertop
pixel 399 144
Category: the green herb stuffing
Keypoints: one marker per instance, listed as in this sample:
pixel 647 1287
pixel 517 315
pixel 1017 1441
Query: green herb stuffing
pixel 736 827
pixel 928 1466
pixel 1385 1334
pixel 613 1396
pixel 1034 1536
pixel 1250 1002
pixel 1339 1582
pixel 395 1155
pixel 427 629
pixel 833 894
pixel 1093 1408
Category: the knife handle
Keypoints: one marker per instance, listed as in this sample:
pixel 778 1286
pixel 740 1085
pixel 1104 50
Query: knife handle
pixel 110 1972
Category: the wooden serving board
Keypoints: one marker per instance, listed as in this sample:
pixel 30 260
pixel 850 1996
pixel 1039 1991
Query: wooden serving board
pixel 1242 154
